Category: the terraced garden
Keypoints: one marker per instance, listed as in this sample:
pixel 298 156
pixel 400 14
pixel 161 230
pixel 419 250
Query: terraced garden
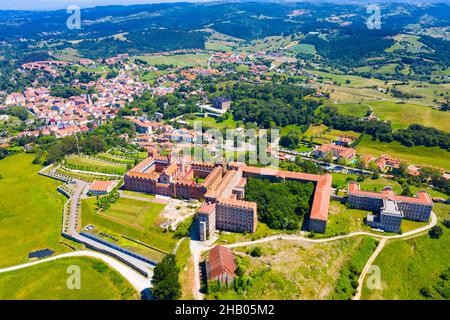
pixel 94 165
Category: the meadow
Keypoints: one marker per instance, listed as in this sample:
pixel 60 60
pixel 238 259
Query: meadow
pixel 48 281
pixel 30 210
pixel 321 134
pixel 292 269
pixel 401 115
pixel 210 122
pixel 181 60
pixel 407 266
pixel 417 155
pixel 94 165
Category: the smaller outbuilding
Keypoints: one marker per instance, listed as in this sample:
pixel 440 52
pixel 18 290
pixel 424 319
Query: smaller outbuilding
pixel 101 187
pixel 220 265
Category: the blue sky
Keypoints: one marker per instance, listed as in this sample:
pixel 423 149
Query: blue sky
pixel 63 4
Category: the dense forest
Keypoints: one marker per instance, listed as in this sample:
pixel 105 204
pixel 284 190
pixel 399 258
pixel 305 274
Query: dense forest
pixel 281 205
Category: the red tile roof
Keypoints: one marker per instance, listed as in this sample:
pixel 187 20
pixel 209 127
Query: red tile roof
pixel 422 197
pixel 221 260
pixel 322 193
pixel 101 185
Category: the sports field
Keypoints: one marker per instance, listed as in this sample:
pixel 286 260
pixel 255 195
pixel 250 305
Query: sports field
pixel 48 281
pixel 418 155
pixel 30 210
pixel 182 60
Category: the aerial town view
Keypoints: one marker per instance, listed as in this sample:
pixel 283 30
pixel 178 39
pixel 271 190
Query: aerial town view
pixel 245 150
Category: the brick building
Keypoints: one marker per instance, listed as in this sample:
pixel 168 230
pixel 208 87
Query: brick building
pixel 389 207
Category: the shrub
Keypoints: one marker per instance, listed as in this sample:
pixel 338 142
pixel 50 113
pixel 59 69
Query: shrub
pixel 256 252
pixel 436 232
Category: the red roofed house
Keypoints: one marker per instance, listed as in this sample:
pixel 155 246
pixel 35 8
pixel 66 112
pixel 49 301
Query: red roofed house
pixel 220 265
pixel 101 187
pixel 336 150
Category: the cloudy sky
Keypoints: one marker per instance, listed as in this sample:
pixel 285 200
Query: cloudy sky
pixel 63 4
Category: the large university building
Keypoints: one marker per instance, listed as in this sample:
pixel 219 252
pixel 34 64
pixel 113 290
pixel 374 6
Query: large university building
pixel 222 187
pixel 391 207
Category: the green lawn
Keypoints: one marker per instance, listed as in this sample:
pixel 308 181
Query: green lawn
pixel 48 281
pixel 418 155
pixel 209 122
pixel 340 179
pixel 137 221
pixel 378 184
pixel 182 60
pixel 407 266
pixel 292 127
pixel 139 194
pixel 144 214
pixel 30 210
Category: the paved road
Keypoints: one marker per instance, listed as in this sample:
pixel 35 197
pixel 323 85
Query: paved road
pixel 353 234
pixel 196 250
pixel 138 281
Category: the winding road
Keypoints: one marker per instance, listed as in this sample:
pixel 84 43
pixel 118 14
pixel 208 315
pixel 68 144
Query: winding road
pixel 197 249
pixel 138 281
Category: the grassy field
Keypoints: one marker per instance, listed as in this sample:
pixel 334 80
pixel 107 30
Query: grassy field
pixel 364 89
pixel 292 269
pixel 321 134
pixel 30 210
pixel 132 218
pixel 302 48
pixel 210 122
pixel 408 266
pixel 340 179
pixel 182 60
pixel 418 155
pixel 400 115
pixel 141 214
pixel 378 184
pixel 186 264
pixel 48 281
pixel 139 194
pixel 353 109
